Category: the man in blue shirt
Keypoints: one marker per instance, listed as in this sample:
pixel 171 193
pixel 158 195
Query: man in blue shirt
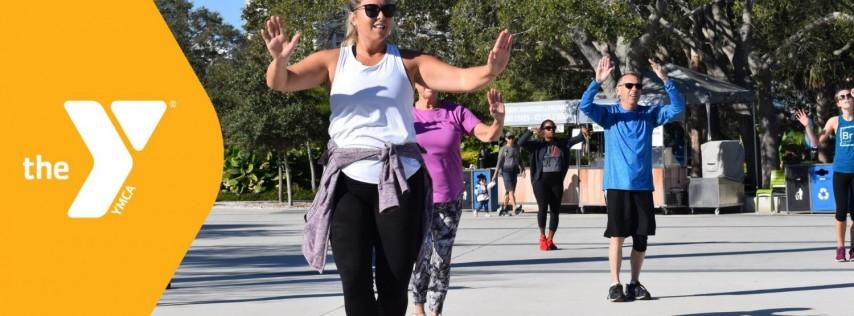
pixel 628 168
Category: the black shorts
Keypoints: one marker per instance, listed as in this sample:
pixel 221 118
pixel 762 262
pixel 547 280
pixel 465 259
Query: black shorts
pixel 843 192
pixel 509 180
pixel 630 213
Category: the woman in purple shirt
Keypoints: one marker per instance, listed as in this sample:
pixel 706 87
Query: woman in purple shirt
pixel 439 128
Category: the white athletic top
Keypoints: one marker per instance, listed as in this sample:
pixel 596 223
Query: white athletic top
pixel 372 106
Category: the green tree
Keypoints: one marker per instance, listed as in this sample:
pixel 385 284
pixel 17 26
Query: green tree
pixel 201 33
pixel 744 42
pixel 231 66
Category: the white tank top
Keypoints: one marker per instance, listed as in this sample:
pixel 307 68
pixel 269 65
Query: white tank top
pixel 371 106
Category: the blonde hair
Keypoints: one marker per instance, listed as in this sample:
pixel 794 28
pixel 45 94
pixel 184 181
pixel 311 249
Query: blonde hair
pixel 351 35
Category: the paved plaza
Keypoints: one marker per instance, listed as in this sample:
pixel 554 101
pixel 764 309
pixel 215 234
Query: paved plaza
pixel 247 261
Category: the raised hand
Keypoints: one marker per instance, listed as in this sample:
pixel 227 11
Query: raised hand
pixel 496 105
pixel 659 71
pixel 604 69
pixel 803 118
pixel 277 42
pixel 585 132
pixel 499 56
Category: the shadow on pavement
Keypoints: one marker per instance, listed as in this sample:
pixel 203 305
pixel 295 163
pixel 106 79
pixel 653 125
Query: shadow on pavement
pixel 769 291
pixel 760 312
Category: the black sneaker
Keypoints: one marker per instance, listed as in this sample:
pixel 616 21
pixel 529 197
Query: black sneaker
pixel 615 293
pixel 636 291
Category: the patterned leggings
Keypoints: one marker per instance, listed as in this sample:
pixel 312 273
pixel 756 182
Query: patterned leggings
pixel 434 273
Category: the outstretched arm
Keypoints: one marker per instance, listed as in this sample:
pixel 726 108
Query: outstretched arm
pixel 440 76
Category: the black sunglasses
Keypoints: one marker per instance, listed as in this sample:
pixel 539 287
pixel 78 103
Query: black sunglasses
pixel 548 128
pixel 373 10
pixel 843 96
pixel 632 85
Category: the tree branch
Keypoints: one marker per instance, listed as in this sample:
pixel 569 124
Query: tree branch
pixel 565 54
pixel 772 57
pixel 652 25
pixel 592 54
pixel 582 39
pixel 707 58
pixel 741 60
pixel 843 49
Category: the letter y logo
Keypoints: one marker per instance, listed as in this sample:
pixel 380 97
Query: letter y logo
pixel 111 160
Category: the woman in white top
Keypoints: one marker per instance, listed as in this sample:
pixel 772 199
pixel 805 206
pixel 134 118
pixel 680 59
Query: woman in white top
pixel 371 137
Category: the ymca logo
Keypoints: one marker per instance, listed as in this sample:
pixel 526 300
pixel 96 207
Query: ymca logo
pixel 112 161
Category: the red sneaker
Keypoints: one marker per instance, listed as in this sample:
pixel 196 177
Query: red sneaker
pixel 544 246
pixel 551 245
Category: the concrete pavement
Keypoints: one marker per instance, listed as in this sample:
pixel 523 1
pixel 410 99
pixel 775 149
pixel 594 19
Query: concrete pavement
pixel 247 261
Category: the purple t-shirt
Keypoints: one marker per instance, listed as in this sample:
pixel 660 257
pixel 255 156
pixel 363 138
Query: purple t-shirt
pixel 440 131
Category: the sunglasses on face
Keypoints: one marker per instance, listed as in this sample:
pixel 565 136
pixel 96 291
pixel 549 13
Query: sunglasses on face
pixel 373 10
pixel 843 96
pixel 630 86
pixel 548 128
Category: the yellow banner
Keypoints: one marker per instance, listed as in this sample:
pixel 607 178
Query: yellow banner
pixel 111 157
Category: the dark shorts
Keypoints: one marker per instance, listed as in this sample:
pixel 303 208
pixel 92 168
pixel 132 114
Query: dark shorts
pixel 509 180
pixel 630 213
pixel 843 192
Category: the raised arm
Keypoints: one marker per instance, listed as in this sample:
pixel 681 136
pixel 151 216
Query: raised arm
pixel 438 75
pixel 804 119
pixel 281 76
pixel 677 102
pixel 490 133
pixel 596 113
pixel 816 140
pixel 584 134
pixel 524 141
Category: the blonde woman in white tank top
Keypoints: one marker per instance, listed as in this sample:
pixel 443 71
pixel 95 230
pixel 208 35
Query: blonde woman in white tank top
pixel 371 97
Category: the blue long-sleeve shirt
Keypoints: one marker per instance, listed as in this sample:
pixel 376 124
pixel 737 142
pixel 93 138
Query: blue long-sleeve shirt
pixel 628 137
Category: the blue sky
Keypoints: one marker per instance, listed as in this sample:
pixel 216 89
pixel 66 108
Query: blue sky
pixel 229 10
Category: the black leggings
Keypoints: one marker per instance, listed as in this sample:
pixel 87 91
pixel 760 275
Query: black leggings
pixel 360 236
pixel 548 190
pixel 843 192
pixel 639 243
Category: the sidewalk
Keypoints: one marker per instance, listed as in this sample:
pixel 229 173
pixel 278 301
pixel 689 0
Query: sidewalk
pixel 248 262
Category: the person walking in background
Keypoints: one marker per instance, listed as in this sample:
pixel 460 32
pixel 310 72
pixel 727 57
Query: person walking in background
pixel 549 161
pixel 439 128
pixel 375 201
pixel 509 166
pixel 628 168
pixel 842 126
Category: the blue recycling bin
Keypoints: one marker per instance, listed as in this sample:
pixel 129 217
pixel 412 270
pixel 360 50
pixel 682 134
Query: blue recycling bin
pixel 493 193
pixel 821 189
